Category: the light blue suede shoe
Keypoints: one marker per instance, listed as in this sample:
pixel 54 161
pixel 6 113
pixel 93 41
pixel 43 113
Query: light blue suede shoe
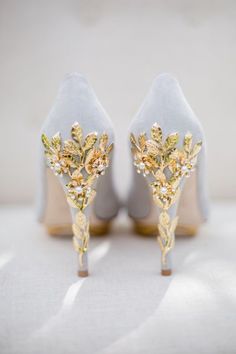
pixel 169 192
pixel 76 189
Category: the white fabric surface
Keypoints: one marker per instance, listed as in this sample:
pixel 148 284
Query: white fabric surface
pixel 125 306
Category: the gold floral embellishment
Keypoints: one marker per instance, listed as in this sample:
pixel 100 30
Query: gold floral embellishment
pixel 166 165
pixel 183 161
pixel 82 161
pixel 81 235
pixel 58 159
pixel 165 192
pixel 144 152
pixel 80 191
pixel 98 158
pixel 166 230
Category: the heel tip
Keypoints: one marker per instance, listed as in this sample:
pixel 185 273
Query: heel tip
pixel 83 273
pixel 166 272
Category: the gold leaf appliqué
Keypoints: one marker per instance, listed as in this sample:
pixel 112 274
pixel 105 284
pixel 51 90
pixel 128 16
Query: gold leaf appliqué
pixel 166 165
pixel 81 161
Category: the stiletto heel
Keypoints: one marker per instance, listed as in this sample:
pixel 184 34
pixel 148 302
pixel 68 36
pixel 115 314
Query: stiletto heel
pixel 165 154
pixel 80 163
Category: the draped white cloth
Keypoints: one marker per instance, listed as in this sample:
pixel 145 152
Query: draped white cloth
pixel 125 306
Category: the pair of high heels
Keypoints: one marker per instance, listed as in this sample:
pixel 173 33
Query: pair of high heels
pixel 167 146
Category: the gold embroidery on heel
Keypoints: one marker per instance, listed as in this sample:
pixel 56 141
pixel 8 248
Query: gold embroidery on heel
pixel 82 162
pixel 166 165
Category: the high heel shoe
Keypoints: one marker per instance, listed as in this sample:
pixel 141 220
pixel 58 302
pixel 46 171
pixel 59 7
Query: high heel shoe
pixel 168 146
pixel 76 144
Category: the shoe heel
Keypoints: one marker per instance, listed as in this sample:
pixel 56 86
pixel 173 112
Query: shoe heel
pixel 78 163
pixel 81 235
pixel 165 163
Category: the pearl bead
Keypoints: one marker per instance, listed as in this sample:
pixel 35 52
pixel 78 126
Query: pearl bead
pixel 100 168
pixel 184 168
pixel 163 190
pixel 79 189
pixel 142 166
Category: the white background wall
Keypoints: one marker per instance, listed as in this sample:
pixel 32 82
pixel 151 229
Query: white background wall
pixel 120 45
